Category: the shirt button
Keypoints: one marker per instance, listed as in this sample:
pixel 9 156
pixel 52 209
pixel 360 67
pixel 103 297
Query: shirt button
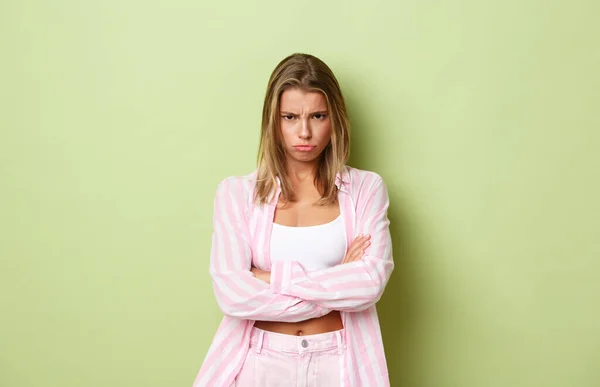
pixel 304 343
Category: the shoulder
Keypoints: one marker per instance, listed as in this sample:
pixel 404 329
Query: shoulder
pixel 360 181
pixel 367 190
pixel 239 188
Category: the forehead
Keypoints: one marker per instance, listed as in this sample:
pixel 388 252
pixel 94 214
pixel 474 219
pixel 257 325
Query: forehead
pixel 297 99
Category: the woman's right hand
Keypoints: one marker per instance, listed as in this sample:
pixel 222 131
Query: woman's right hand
pixel 357 248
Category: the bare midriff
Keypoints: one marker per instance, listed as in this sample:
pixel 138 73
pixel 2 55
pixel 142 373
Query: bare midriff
pixel 302 213
pixel 328 323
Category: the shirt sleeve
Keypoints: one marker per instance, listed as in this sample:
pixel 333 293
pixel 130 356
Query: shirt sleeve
pixel 238 292
pixel 350 287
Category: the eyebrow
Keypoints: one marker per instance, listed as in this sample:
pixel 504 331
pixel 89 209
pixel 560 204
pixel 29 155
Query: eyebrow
pixel 294 114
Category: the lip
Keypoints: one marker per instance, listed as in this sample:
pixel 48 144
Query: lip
pixel 304 148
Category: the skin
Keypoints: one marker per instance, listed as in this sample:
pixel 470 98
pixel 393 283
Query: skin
pixel 304 120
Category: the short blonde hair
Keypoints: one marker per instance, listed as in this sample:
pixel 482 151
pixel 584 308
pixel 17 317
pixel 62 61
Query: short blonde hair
pixel 309 73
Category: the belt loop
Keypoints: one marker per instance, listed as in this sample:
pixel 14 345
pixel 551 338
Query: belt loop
pixel 259 344
pixel 340 345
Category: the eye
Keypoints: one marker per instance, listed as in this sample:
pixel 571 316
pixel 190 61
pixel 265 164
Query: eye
pixel 319 116
pixel 288 117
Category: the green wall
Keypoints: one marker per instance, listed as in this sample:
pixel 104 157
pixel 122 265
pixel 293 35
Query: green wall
pixel 118 118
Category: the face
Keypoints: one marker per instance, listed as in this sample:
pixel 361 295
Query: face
pixel 305 124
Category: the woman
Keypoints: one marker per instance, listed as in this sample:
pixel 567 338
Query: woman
pixel 301 248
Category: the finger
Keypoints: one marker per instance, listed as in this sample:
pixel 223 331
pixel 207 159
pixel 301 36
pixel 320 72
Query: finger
pixel 361 240
pixel 358 242
pixel 363 249
pixel 355 244
pixel 349 255
pixel 355 255
pixel 355 250
pixel 358 254
pixel 361 237
pixel 354 247
pixel 352 256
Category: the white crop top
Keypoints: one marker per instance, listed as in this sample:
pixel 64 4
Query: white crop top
pixel 314 247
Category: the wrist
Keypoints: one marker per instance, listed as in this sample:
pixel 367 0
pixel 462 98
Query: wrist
pixel 266 276
pixel 262 275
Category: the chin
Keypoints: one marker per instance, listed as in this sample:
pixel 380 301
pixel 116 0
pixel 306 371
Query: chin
pixel 309 158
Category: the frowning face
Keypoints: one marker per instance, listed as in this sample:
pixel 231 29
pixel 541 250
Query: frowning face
pixel 305 124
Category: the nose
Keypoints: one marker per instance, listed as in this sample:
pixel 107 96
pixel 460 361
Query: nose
pixel 305 132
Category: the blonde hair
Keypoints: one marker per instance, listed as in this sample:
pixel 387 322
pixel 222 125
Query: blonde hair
pixel 309 73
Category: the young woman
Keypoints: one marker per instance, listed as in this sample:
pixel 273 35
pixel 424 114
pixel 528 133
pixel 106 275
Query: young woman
pixel 301 249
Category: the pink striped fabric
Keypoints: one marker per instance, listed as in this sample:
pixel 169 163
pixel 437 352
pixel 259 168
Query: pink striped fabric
pixel 241 239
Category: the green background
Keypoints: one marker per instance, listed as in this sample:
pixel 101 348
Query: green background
pixel 118 119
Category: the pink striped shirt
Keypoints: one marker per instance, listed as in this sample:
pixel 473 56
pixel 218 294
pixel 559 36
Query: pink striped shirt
pixel 241 239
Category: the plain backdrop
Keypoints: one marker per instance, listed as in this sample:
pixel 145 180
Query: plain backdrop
pixel 119 118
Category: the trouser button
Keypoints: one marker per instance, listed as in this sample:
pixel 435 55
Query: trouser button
pixel 304 343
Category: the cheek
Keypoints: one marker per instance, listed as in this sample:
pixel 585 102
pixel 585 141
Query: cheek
pixel 287 131
pixel 324 130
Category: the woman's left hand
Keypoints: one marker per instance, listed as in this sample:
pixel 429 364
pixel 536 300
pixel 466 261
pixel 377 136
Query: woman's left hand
pixel 261 274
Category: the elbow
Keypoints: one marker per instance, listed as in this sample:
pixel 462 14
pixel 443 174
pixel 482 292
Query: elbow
pixel 229 302
pixel 228 309
pixel 237 310
pixel 229 306
pixel 370 298
pixel 367 302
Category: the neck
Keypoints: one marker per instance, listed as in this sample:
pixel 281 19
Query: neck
pixel 300 173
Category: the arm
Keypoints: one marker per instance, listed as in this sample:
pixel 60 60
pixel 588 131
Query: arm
pixel 238 292
pixel 353 286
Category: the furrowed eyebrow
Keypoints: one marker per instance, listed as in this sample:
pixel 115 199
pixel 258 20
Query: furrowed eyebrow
pixel 283 113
